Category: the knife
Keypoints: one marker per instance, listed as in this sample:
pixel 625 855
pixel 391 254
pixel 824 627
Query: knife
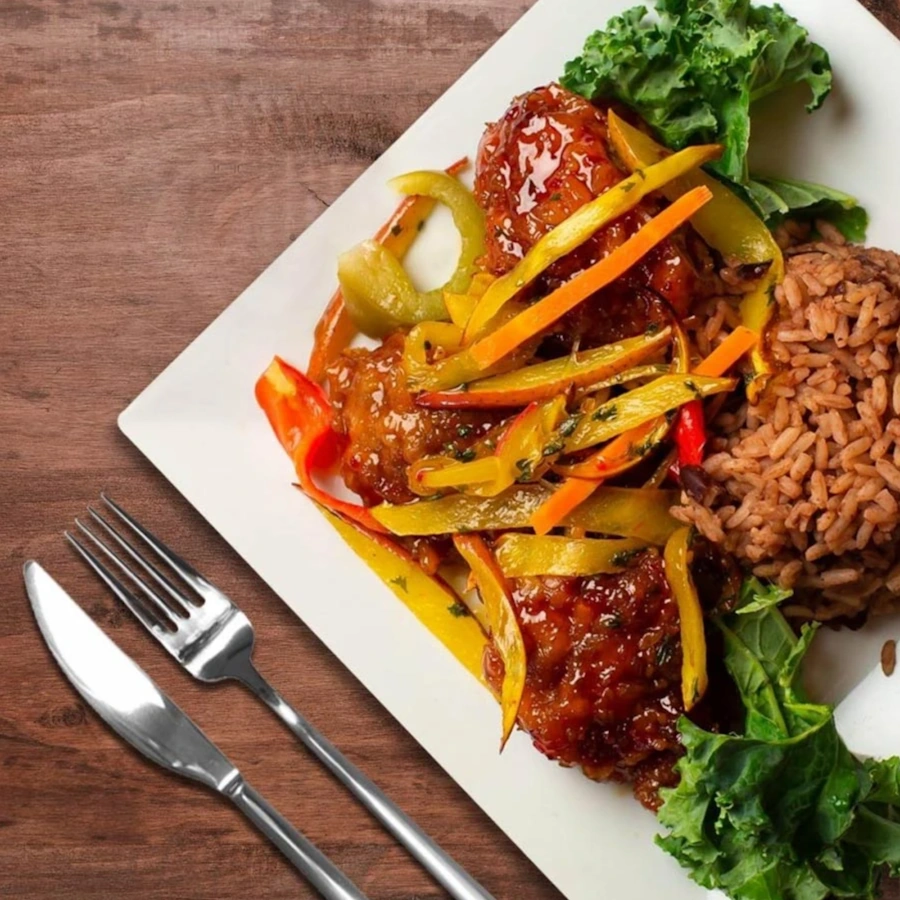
pixel 126 698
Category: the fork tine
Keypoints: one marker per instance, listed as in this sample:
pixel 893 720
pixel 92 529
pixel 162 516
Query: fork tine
pixel 130 600
pixel 177 596
pixel 157 603
pixel 182 567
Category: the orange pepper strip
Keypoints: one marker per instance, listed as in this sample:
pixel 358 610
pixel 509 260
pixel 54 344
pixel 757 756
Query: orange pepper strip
pixel 505 632
pixel 335 330
pixel 616 455
pixel 531 321
pixel 301 417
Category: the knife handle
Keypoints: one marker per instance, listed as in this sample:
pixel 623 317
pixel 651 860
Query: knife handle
pixel 448 873
pixel 317 868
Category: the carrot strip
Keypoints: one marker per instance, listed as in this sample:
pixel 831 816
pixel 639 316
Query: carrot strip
pixel 335 330
pixel 571 493
pixel 728 352
pixel 531 321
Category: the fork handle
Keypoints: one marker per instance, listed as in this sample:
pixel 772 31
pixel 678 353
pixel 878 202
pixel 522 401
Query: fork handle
pixel 458 883
pixel 317 868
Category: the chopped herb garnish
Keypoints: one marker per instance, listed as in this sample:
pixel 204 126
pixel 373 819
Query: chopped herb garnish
pixel 466 455
pixel 624 557
pixel 464 431
pixel 556 195
pixel 665 650
pixel 400 581
pixel 569 426
pixel 554 446
pixel 611 620
pixel 652 328
pixel 526 469
pixel 421 225
pixel 606 413
pixel 628 187
pixel 458 610
pixel 395 230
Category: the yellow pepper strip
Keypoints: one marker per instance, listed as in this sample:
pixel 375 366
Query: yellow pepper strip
pixel 430 600
pixel 580 226
pixel 378 293
pixel 677 556
pixel 524 555
pixel 621 454
pixel 624 512
pixel 523 453
pixel 505 632
pixel 640 405
pixel 460 306
pixel 726 223
pixel 547 379
pixel 638 373
pixel 528 324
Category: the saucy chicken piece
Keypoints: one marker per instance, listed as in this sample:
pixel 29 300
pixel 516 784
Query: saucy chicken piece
pixel 547 157
pixel 386 432
pixel 603 689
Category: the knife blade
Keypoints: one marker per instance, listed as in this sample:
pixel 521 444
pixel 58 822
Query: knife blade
pixel 127 699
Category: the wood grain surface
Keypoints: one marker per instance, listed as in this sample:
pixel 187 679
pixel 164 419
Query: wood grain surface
pixel 154 158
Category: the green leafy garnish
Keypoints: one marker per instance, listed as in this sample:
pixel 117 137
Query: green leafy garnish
pixel 756 596
pixel 783 811
pixel 458 609
pixel 693 73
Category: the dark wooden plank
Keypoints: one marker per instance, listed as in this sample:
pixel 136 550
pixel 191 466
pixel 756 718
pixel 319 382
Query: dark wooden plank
pixel 156 157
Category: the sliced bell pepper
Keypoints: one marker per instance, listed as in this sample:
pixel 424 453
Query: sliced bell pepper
pixel 301 417
pixel 690 433
pixel 525 555
pixel 488 350
pixel 726 223
pixel 429 598
pixel 505 632
pixel 629 448
pixel 640 405
pixel 460 306
pixel 378 293
pixel 547 379
pixel 677 556
pixel 624 512
pixel 523 453
pixel 580 226
pixel 335 329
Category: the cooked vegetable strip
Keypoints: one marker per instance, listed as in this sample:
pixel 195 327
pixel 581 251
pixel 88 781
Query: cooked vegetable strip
pixel 523 452
pixel 641 405
pixel 301 418
pixel 524 555
pixel 377 291
pixel 429 598
pixel 629 448
pixel 626 512
pixel 547 379
pixel 505 633
pixel 335 329
pixel 575 230
pixel 726 223
pixel 534 319
pixel 677 556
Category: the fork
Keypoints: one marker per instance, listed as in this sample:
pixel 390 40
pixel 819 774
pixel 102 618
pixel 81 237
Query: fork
pixel 214 642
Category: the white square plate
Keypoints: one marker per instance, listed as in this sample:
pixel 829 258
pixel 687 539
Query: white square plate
pixel 582 835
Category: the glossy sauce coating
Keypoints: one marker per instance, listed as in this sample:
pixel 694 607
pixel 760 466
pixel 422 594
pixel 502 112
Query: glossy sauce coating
pixel 603 689
pixel 386 431
pixel 544 159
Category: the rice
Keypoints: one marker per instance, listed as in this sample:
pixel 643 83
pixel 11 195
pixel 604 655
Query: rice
pixel 807 482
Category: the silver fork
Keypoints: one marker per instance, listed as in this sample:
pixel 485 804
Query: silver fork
pixel 214 641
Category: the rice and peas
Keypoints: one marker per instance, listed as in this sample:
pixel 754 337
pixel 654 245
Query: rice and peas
pixel 806 483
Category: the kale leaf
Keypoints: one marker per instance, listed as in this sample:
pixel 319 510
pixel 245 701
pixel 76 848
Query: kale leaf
pixel 783 811
pixel 693 72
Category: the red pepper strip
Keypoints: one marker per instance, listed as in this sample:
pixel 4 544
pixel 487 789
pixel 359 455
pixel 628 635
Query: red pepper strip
pixel 690 434
pixel 335 330
pixel 302 417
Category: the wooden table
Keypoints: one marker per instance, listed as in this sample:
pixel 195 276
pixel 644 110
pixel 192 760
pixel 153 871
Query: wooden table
pixel 154 158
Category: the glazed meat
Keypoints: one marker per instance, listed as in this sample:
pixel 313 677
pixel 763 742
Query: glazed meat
pixel 603 689
pixel 548 156
pixel 385 430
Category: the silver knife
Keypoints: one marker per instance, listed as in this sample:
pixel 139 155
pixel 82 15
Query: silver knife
pixel 125 697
